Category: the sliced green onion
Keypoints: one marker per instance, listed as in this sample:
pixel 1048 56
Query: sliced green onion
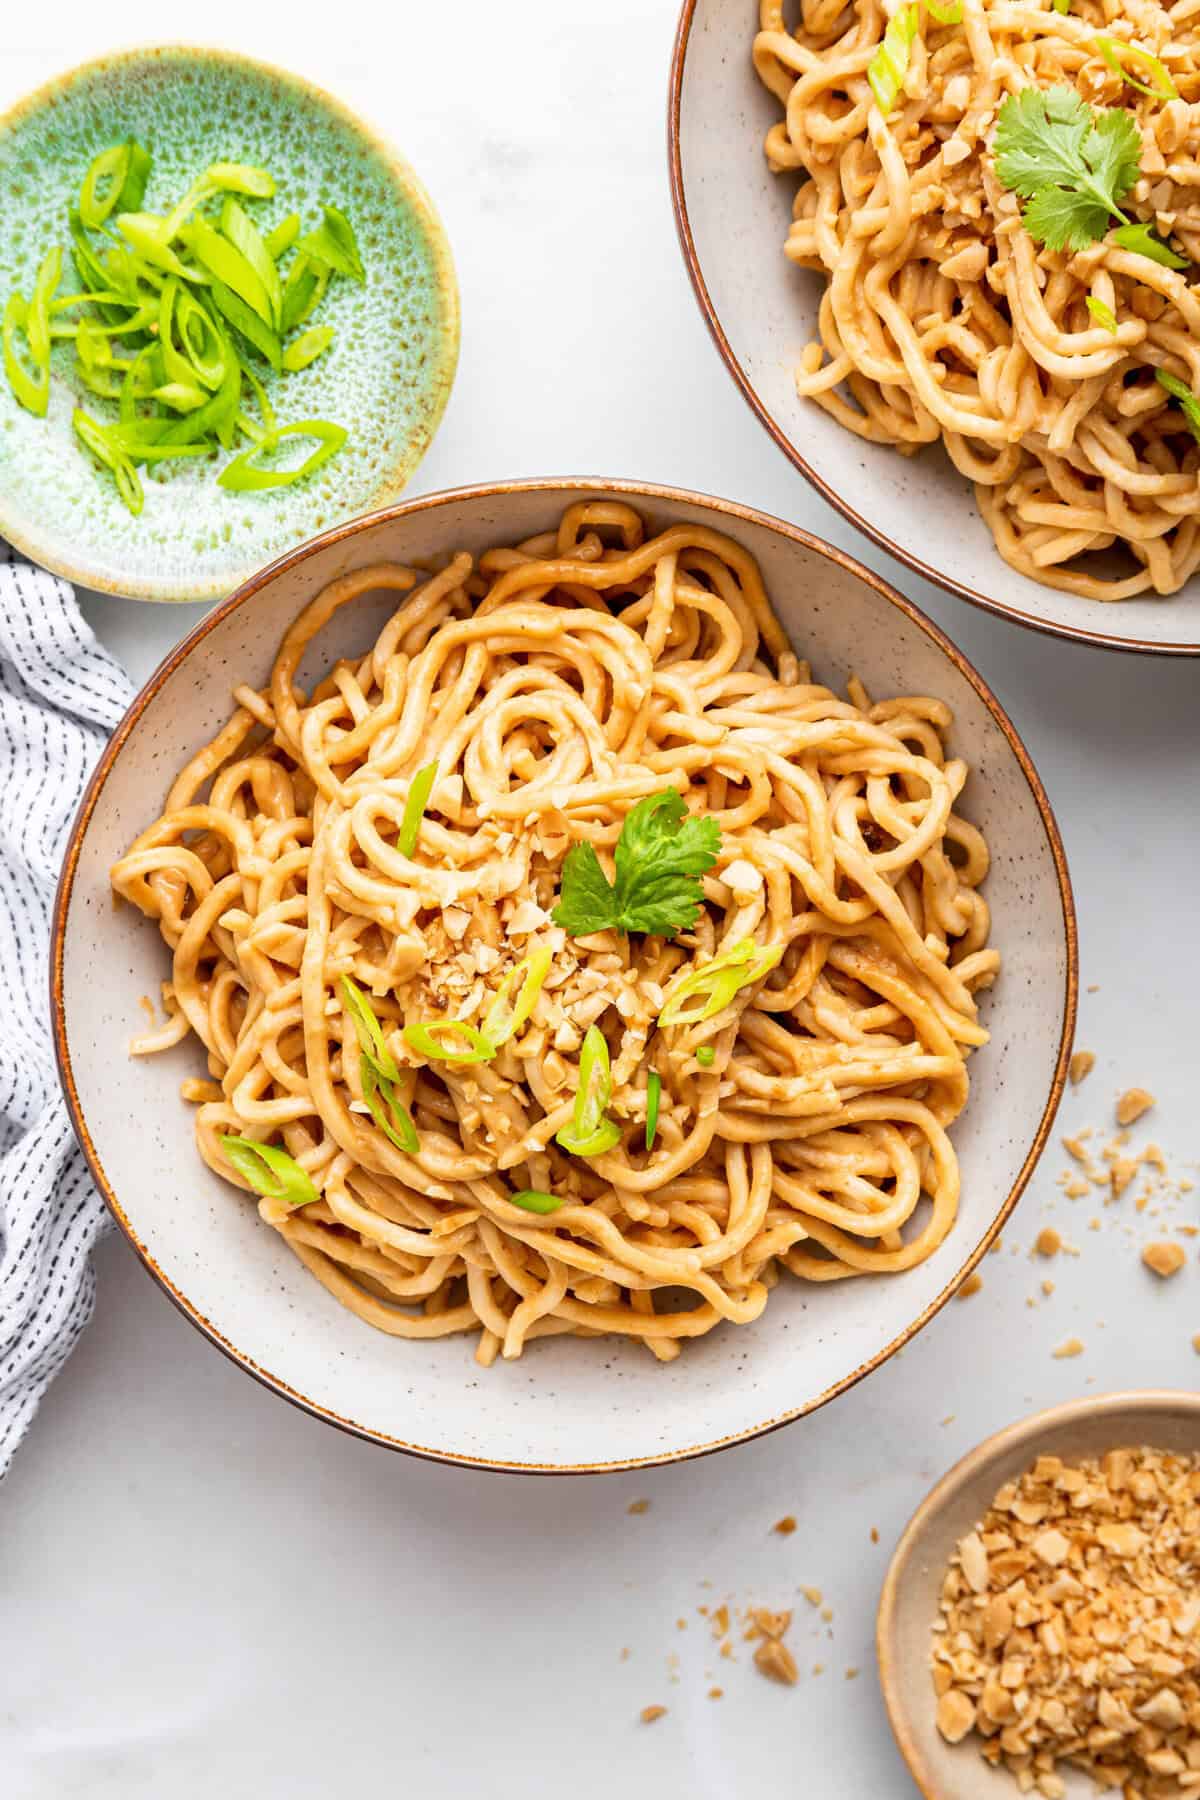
pixel 244 235
pixel 266 410
pixel 653 1101
pixel 281 238
pixel 1141 239
pixel 244 319
pixel 1188 403
pixel 426 1040
pixel 246 476
pixel 1103 315
pixel 504 1020
pixel 145 232
pixel 31 389
pixel 303 290
pixel 590 1132
pixel 945 15
pixel 535 1201
pixel 716 982
pixel 217 414
pixel 1113 49
pixel 102 185
pixel 270 1171
pixel 37 326
pixel 97 440
pixel 307 347
pixel 241 178
pixel 335 245
pixel 889 65
pixel 392 1117
pixel 200 353
pixel 368 1030
pixel 706 1056
pixel 419 790
pixel 217 256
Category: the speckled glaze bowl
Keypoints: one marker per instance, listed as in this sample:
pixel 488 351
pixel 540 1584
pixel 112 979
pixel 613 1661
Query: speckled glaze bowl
pixel 1155 1419
pixel 732 216
pixel 568 1405
pixel 386 377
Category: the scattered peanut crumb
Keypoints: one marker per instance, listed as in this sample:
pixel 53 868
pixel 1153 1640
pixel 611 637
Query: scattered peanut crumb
pixel 648 1714
pixel 1072 1347
pixel 784 1526
pixel 1132 1104
pixel 1196 1343
pixel 1074 1146
pixel 1082 1064
pixel 1124 1168
pixel 827 1614
pixel 1047 1242
pixel 970 1286
pixel 1047 1288
pixel 625 1654
pixel 851 1674
pixel 638 1506
pixel 775 1660
pixel 1075 1187
pixel 681 1624
pixel 1164 1259
pixel 813 1595
pixel 874 1534
pixel 818 1668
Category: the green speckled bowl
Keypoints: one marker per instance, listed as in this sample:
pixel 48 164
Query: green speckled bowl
pixel 387 376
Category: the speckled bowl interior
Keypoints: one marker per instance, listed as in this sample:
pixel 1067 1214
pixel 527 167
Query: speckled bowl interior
pixel 909 1603
pixel 386 377
pixel 734 216
pixel 566 1404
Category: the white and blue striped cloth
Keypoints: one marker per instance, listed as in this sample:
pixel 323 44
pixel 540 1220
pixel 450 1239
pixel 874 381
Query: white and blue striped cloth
pixel 61 694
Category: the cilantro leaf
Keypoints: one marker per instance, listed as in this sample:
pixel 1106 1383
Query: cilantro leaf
pixel 1143 240
pixel 1070 162
pixel 660 856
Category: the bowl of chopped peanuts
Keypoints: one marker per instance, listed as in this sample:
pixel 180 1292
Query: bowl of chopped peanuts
pixel 1039 1626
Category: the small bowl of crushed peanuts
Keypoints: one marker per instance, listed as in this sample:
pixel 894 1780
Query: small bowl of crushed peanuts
pixel 1039 1627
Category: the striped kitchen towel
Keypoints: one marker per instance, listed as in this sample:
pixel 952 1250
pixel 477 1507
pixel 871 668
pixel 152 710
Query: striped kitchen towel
pixel 61 695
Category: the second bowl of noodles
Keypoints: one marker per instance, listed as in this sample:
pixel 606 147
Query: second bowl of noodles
pixel 611 967
pixel 985 408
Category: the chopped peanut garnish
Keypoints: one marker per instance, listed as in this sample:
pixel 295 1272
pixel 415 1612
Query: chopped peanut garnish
pixel 1072 1347
pixel 775 1660
pixel 1047 1242
pixel 648 1714
pixel 1132 1104
pixel 784 1526
pixel 1082 1064
pixel 970 1286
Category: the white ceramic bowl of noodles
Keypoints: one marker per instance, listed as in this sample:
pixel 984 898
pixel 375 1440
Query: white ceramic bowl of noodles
pixel 733 215
pixel 569 1404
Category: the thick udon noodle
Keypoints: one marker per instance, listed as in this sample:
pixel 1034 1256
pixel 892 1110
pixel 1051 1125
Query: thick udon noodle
pixel 942 318
pixel 555 684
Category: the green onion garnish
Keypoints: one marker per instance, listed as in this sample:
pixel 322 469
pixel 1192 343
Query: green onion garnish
pixel 889 65
pixel 1114 49
pixel 1188 403
pixel 378 1071
pixel 706 1056
pixel 1103 315
pixel 419 790
pixel 503 1020
pixel 535 1201
pixel 1140 238
pixel 714 984
pixel 590 1133
pixel 173 308
pixel 426 1040
pixel 270 1171
pixel 653 1101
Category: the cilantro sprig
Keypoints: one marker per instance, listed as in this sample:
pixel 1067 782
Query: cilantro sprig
pixel 660 856
pixel 1070 163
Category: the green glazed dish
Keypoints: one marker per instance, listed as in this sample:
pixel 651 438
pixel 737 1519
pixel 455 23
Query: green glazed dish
pixel 386 377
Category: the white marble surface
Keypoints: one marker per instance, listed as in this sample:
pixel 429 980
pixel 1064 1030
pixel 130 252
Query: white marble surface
pixel 204 1592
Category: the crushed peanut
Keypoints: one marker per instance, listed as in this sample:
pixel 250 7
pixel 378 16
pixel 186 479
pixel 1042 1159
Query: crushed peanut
pixel 638 1506
pixel 970 1286
pixel 1133 1103
pixel 648 1714
pixel 1082 1064
pixel 1047 1242
pixel 784 1526
pixel 775 1660
pixel 1069 1628
pixel 1164 1259
pixel 1072 1347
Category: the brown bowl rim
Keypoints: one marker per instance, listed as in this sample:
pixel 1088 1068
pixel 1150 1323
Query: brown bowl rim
pixel 1078 634
pixel 482 493
pixel 1025 1430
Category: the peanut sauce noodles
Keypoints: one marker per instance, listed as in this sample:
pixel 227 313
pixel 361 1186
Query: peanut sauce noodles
pixel 943 318
pixel 347 919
